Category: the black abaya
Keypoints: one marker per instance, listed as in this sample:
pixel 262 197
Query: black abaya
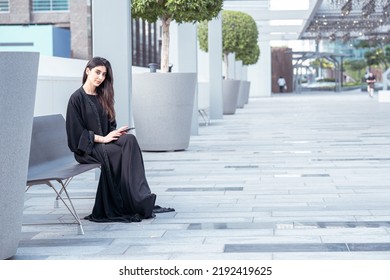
pixel 123 192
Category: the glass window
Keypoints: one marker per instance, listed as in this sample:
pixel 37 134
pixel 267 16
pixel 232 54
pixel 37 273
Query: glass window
pixel 4 6
pixel 50 5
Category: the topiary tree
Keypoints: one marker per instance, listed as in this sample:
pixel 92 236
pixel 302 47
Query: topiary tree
pixel 174 10
pixel 250 56
pixel 239 36
pixel 251 53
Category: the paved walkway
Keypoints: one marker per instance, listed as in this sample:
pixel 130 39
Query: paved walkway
pixel 294 176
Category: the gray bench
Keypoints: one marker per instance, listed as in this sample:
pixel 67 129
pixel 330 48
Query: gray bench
pixel 51 160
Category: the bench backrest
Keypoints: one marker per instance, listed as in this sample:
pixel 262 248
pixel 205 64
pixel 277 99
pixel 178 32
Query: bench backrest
pixel 49 140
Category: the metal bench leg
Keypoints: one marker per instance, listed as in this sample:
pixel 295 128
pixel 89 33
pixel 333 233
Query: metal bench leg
pixel 204 116
pixel 71 209
pixel 64 185
pixel 80 231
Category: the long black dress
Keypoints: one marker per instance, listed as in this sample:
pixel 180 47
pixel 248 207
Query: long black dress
pixel 123 193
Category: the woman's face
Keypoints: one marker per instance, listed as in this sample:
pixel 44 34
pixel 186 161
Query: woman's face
pixel 96 75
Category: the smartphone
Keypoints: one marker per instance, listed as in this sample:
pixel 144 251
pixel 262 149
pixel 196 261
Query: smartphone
pixel 128 129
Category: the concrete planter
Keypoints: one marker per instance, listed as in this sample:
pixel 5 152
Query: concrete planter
pixel 18 79
pixel 230 91
pixel 247 87
pixel 163 105
pixel 243 94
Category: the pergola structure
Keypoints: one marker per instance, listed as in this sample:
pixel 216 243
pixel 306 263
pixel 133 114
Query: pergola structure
pixel 347 19
pixel 322 19
pixel 337 59
pixel 326 20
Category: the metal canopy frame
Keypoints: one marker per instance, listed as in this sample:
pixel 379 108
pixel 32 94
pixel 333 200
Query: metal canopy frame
pixel 349 19
pixel 300 57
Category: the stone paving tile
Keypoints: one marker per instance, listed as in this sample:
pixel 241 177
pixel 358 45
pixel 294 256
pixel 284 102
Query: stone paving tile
pixel 296 172
pixel 332 256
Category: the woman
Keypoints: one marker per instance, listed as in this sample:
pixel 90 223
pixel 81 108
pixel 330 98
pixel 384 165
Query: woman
pixel 123 193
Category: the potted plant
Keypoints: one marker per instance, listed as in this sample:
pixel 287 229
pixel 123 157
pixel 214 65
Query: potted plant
pixel 239 32
pixel 163 102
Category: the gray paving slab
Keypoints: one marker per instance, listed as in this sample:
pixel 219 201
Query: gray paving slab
pixel 291 176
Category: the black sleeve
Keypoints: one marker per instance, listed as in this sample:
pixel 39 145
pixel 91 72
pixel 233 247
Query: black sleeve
pixel 80 139
pixel 112 125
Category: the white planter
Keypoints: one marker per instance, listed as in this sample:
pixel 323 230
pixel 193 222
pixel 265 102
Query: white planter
pixel 247 87
pixel 384 96
pixel 18 80
pixel 163 105
pixel 230 91
pixel 243 94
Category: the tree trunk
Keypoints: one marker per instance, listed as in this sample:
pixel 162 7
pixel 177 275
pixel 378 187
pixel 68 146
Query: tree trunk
pixel 164 64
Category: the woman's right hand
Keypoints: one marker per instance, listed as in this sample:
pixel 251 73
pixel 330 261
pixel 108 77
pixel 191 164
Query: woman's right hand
pixel 112 136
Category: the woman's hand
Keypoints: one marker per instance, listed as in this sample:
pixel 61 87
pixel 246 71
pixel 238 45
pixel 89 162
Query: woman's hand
pixel 123 129
pixel 113 135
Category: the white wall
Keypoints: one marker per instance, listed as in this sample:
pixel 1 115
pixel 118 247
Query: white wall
pixel 58 78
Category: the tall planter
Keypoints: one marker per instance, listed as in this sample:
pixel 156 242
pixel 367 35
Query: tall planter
pixel 18 80
pixel 163 107
pixel 230 91
pixel 241 95
pixel 246 89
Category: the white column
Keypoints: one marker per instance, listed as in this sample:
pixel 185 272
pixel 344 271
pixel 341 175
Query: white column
pixel 238 70
pixel 111 39
pixel 215 64
pixel 260 74
pixel 183 47
pixel 232 66
pixel 203 66
pixel 244 72
pixel 183 55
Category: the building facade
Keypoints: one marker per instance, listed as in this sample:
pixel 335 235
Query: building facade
pixel 73 16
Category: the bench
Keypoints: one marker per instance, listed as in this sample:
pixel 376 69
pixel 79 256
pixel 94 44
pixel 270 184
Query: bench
pixel 204 101
pixel 51 160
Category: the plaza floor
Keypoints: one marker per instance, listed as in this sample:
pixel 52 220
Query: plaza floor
pixel 288 177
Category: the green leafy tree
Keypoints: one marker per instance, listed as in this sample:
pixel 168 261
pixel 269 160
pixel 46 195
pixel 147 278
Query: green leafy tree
pixel 239 36
pixel 379 56
pixel 180 11
pixel 372 57
pixel 355 68
pixel 322 63
pixel 377 53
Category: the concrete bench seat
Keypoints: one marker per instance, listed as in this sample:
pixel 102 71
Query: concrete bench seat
pixel 51 161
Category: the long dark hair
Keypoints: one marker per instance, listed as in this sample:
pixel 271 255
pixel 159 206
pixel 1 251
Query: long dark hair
pixel 105 91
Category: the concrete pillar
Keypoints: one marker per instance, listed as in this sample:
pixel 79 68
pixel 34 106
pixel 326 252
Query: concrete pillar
pixel 244 72
pixel 238 70
pixel 183 55
pixel 260 74
pixel 215 66
pixel 79 25
pixel 232 66
pixel 18 80
pixel 111 39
